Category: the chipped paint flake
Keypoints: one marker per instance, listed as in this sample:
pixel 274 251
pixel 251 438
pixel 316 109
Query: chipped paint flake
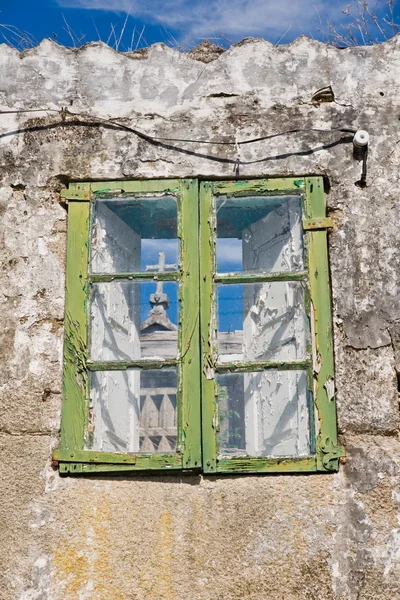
pixel 329 385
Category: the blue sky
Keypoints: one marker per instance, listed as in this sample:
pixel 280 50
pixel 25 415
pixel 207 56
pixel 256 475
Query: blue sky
pixel 138 23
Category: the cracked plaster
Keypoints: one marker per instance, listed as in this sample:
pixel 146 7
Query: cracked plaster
pixel 333 537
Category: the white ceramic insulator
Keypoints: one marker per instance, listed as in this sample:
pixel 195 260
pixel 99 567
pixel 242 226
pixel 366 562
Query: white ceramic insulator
pixel 361 138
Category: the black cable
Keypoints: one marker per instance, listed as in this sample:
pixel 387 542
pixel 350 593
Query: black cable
pixel 29 110
pixel 363 181
pixel 232 161
pixel 259 139
pixel 64 112
pixel 162 142
pixel 364 166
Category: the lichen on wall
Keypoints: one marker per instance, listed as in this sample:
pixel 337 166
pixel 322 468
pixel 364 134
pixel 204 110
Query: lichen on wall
pixel 155 537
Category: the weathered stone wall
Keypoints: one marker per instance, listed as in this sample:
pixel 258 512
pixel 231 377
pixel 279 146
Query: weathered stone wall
pixel 325 537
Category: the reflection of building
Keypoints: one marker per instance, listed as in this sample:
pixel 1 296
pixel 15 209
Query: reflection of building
pixel 134 409
pixel 231 343
pixel 230 397
pixel 157 331
pixel 262 413
pixel 157 420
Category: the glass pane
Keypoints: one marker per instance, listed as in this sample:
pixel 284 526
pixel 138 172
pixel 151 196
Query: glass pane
pixel 262 322
pixel 263 414
pixel 133 235
pixel 134 319
pixel 133 411
pixel 259 234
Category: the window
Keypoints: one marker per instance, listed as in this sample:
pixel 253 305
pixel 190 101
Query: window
pixel 198 328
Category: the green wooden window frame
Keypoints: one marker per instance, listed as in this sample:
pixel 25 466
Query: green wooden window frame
pixel 197 413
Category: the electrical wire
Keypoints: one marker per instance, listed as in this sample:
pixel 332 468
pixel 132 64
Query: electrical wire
pixel 64 112
pixel 363 181
pixel 162 141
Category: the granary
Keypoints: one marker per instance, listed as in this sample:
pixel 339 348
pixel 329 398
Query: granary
pixel 200 322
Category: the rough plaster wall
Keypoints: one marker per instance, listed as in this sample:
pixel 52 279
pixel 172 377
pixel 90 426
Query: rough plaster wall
pixel 320 537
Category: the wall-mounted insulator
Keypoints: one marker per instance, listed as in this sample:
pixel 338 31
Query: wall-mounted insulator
pixel 360 144
pixel 360 152
pixel 361 138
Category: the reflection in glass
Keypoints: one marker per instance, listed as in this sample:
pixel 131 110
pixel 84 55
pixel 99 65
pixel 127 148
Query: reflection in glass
pixel 133 411
pixel 133 319
pixel 263 414
pixel 259 234
pixel 129 234
pixel 261 322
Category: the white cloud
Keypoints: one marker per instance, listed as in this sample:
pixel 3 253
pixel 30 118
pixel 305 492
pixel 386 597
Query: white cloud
pixel 160 245
pixel 151 248
pixel 238 18
pixel 229 251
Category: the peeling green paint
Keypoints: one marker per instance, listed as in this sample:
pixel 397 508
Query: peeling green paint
pixel 190 337
pixel 322 326
pixel 317 295
pixel 134 364
pixel 90 456
pixel 142 463
pixel 197 419
pixel 207 269
pixel 75 381
pixel 272 185
pixel 262 366
pixel 331 453
pixel 107 277
pixel 138 187
pixel 245 464
pixel 317 223
pixel 76 365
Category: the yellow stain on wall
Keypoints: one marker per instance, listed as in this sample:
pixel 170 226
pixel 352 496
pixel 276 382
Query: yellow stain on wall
pixel 86 562
pixel 156 578
pixel 72 570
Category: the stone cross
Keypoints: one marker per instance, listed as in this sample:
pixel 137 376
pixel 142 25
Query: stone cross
pixel 161 267
pixel 158 318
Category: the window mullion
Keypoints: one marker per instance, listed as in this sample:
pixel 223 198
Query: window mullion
pixel 207 246
pixel 328 451
pixel 75 380
pixel 189 372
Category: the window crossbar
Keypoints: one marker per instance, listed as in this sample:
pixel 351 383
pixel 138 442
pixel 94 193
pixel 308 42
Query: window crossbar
pixel 109 277
pixel 135 364
pixel 262 277
pixel 301 365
